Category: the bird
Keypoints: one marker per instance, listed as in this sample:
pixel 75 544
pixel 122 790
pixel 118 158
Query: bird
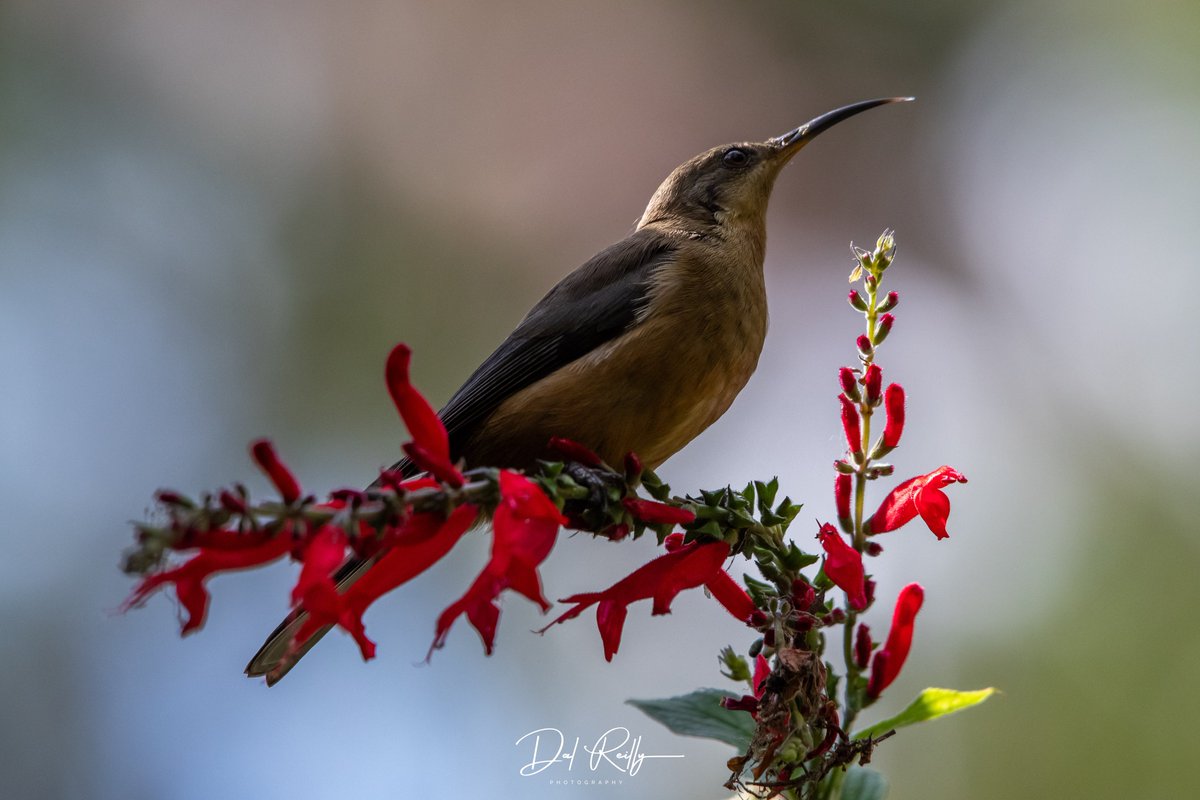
pixel 639 349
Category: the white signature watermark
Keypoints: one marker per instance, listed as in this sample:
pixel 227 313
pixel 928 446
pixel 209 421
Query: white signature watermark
pixel 616 747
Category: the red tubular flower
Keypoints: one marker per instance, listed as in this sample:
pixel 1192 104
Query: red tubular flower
pixel 762 670
pixel 920 495
pixel 420 542
pixel 524 530
pixel 843 566
pixel 574 451
pixel 850 424
pixel 841 495
pixel 873 380
pixel 893 402
pixel 890 658
pixel 189 577
pixel 430 447
pixel 687 567
pixel 268 461
pixel 654 513
pixel 633 468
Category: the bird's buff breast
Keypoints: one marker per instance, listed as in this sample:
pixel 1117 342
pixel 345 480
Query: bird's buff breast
pixel 651 390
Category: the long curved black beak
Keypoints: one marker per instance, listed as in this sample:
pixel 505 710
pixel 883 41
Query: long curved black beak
pixel 796 138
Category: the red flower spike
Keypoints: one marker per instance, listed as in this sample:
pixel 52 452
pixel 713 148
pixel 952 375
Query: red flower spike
pixel 862 647
pixel 842 485
pixel 431 443
pixel 268 461
pixel 849 381
pixel 843 566
pixel 655 513
pixel 920 495
pixel 688 567
pixel 524 527
pixel 893 402
pixel 850 424
pixel 890 658
pixel 420 542
pixel 189 577
pixel 873 380
pixel 574 451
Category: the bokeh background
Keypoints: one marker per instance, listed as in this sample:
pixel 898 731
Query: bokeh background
pixel 216 218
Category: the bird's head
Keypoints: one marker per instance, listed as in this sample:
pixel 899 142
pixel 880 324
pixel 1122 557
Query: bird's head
pixel 733 182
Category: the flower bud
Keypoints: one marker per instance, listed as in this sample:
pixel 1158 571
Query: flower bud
pixel 894 404
pixel 172 498
pixel 862 647
pixel 889 302
pixel 873 380
pixel 865 348
pixel 844 467
pixel 885 327
pixel 841 496
pixel 851 425
pixel 873 548
pixel 633 468
pixel 803 595
pixel 232 503
pixel 849 382
pixel 572 450
pixel 879 470
pixel 856 301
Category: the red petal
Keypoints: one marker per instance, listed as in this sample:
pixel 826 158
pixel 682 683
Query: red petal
pixel 733 597
pixel 435 465
pixel 324 553
pixel 843 566
pixel 934 507
pixel 266 458
pixel 422 421
pixel 188 578
pixel 574 451
pixel 891 657
pixel 762 669
pixel 893 402
pixel 850 424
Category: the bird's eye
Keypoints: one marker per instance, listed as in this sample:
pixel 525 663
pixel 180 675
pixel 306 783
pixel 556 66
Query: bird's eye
pixel 736 157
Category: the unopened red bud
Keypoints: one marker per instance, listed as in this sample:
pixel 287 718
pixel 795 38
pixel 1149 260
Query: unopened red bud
pixel 851 425
pixel 769 637
pixel 873 548
pixel 864 345
pixel 862 647
pixel 885 327
pixel 844 467
pixel 849 381
pixel 803 595
pixel 836 617
pixel 869 590
pixel 879 470
pixel 841 495
pixel 170 498
pixel 633 468
pixel 232 503
pixel 889 302
pixel 856 301
pixel 873 381
pixel 893 401
pixel 870 280
pixel 616 532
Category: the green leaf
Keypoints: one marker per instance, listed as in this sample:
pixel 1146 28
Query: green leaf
pixel 700 714
pixel 864 784
pixel 930 704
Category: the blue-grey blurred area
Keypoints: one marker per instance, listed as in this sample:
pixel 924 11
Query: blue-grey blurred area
pixel 216 218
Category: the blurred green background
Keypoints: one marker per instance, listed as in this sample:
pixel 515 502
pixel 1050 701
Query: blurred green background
pixel 216 218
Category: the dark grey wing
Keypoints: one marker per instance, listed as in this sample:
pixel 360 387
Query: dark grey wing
pixel 594 304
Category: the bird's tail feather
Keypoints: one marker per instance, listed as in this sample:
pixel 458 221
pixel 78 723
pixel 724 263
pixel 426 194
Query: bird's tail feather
pixel 273 660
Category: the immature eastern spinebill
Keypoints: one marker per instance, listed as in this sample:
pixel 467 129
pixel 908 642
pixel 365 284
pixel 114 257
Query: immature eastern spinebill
pixel 642 347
